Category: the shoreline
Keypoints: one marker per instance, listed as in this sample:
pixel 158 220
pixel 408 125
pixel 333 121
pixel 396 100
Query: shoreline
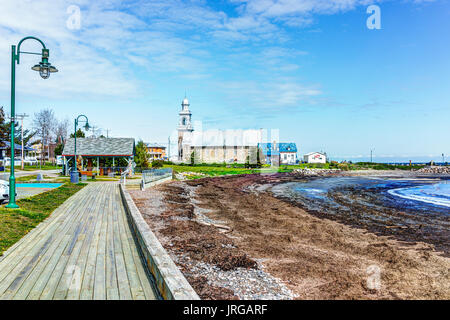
pixel 232 239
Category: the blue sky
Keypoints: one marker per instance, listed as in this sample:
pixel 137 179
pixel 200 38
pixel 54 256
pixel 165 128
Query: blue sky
pixel 311 69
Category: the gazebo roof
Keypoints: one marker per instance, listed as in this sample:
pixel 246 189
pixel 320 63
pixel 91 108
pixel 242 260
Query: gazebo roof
pixel 103 147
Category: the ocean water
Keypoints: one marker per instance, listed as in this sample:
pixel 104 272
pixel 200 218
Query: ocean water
pixel 436 194
pixel 419 205
pixel 425 195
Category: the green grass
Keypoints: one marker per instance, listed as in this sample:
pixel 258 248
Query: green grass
pixel 14 224
pixel 222 170
pixel 47 166
pixel 198 171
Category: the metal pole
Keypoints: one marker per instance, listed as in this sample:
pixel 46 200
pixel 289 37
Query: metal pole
pixel 21 135
pixel 75 137
pixel 75 144
pixel 15 58
pixel 12 179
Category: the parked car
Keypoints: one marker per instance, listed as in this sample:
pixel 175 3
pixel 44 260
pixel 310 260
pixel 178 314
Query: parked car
pixel 59 160
pixel 4 190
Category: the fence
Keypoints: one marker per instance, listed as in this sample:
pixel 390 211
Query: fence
pixel 149 177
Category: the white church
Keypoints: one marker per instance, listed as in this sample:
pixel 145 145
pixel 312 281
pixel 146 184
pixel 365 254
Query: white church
pixel 215 146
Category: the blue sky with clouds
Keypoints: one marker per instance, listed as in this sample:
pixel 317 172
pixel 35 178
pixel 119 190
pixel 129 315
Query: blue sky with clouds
pixel 311 69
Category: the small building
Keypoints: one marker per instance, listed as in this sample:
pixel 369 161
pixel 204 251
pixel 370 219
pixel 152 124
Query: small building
pixel 45 152
pixel 315 157
pixel 279 153
pixel 288 153
pixel 156 151
pixel 102 155
pixel 5 150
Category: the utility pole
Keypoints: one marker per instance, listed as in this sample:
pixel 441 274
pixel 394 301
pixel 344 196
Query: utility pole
pixel 94 130
pixel 21 117
pixel 371 155
pixel 107 133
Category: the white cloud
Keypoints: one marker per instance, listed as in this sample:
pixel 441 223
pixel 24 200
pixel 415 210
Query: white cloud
pixel 272 95
pixel 158 36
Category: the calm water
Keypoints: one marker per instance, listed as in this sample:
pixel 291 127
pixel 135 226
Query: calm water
pixel 414 194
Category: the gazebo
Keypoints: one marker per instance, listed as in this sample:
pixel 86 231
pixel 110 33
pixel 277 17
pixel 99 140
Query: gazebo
pixel 101 156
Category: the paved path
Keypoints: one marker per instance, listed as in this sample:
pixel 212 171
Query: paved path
pixel 84 250
pixel 20 173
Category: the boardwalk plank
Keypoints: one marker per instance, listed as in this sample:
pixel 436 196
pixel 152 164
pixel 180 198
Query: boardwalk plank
pixel 51 286
pixel 23 262
pixel 100 268
pixel 84 250
pixel 145 283
pixel 33 239
pixel 80 266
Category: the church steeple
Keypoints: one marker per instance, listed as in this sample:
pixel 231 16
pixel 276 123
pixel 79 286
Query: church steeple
pixel 185 117
pixel 184 126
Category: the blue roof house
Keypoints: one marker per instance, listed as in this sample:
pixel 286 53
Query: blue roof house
pixel 282 153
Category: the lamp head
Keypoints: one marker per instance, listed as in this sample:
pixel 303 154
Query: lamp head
pixel 44 67
pixel 87 126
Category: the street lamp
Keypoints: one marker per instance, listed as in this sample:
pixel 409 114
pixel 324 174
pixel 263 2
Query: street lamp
pixel 44 68
pixel 74 173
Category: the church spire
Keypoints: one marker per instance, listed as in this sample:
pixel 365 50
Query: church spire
pixel 185 116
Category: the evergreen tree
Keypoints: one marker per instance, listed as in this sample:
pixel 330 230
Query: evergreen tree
pixel 141 158
pixel 5 131
pixel 3 127
pixel 192 158
pixel 59 149
pixel 80 134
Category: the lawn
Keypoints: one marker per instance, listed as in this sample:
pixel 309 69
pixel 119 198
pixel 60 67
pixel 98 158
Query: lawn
pixel 47 166
pixel 202 170
pixel 199 170
pixel 14 224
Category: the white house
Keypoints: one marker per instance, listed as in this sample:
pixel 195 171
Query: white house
pixel 315 157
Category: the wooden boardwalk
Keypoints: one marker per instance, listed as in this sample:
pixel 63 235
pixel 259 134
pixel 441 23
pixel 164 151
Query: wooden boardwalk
pixel 84 250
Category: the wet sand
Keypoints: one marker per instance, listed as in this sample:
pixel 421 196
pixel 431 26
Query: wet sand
pixel 235 223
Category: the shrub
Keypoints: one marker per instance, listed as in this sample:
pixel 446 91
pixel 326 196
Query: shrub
pixel 343 166
pixel 157 164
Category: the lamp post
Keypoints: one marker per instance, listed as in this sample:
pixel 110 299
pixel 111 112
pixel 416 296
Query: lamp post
pixel 44 68
pixel 86 127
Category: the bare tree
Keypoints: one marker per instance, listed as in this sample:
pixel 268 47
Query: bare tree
pixel 61 130
pixel 44 123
